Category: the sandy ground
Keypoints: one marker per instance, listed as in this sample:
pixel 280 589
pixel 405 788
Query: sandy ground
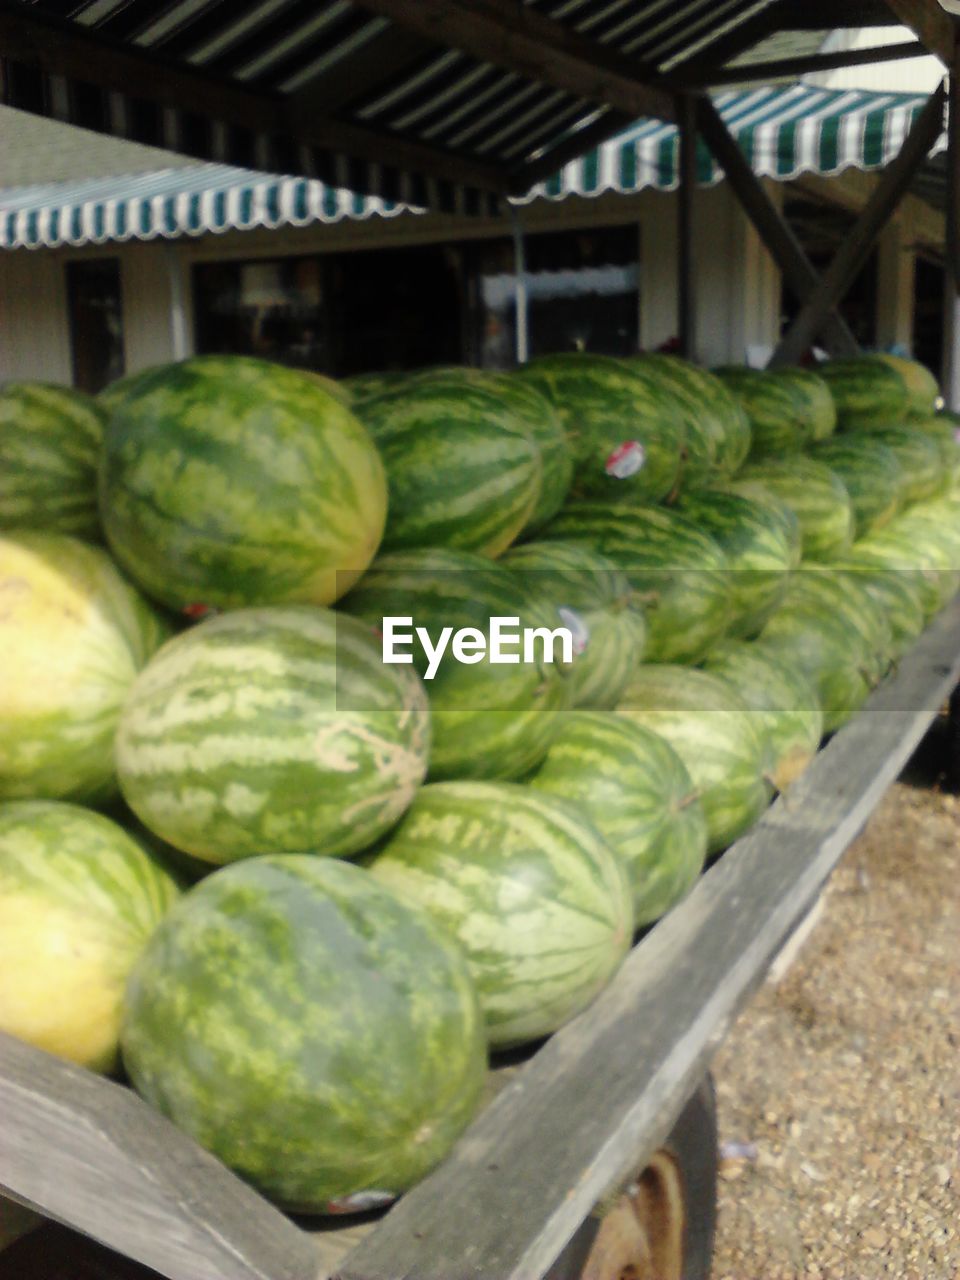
pixel 839 1089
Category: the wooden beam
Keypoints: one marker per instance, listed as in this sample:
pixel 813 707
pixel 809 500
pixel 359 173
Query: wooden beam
pixel 798 272
pixel 730 45
pixel 828 15
pixel 686 289
pixel 792 68
pixel 389 53
pixel 90 1154
pixel 852 254
pixel 931 24
pixel 595 1102
pixel 951 266
pixel 521 39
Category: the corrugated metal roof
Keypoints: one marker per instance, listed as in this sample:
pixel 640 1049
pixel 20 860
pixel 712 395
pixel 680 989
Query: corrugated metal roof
pixel 783 132
pixel 468 111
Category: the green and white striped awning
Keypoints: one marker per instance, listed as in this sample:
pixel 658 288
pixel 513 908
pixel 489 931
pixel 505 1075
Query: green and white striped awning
pixel 784 132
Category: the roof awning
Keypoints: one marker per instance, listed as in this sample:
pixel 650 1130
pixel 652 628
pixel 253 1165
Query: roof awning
pixel 784 132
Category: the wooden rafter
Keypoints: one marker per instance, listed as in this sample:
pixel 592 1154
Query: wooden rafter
pixel 784 247
pixel 828 15
pixel 784 68
pixel 931 24
pixel 389 53
pixel 852 254
pixel 522 40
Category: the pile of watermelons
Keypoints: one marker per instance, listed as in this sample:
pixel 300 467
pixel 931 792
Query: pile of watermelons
pixel 196 573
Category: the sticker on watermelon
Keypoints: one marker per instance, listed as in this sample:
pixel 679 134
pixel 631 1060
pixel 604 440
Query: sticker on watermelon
pixel 577 627
pixel 360 1202
pixel 626 460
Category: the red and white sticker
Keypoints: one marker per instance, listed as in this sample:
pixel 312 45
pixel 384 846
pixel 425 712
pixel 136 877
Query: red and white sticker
pixel 576 626
pixel 360 1202
pixel 626 460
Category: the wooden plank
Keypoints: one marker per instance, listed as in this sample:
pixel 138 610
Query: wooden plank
pixel 523 40
pixel 951 271
pixel 686 286
pixel 852 254
pixel 792 68
pixel 930 23
pixel 88 1153
pixel 798 272
pixel 389 53
pixel 602 1094
pixel 827 15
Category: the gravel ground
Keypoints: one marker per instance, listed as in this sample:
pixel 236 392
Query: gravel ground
pixel 839 1089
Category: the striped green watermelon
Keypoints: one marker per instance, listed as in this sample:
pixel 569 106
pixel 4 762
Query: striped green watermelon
pixel 933 530
pixel 943 429
pixel 111 396
pixel 757 550
pixel 74 634
pixel 625 428
pixel 923 474
pixel 923 390
pixel 784 516
pixel 781 698
pixel 537 413
pixel 896 593
pixel 572 579
pixel 537 898
pixel 716 433
pixel 637 792
pixel 718 738
pixel 314 1032
pixel 826 588
pixel 679 571
pixel 774 409
pixel 228 481
pixel 50 440
pixel 818 413
pixel 364 386
pixel 917 561
pixel 463 468
pixel 275 729
pixel 871 474
pixel 490 720
pixel 79 900
pixel 817 497
pixel 867 391
pixel 830 648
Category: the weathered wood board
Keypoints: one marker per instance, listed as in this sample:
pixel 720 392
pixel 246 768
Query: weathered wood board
pixel 569 1125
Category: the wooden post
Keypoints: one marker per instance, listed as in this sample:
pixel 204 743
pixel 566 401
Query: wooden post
pixel 179 333
pixel 798 272
pixel 852 254
pixel 951 272
pixel 521 309
pixel 686 293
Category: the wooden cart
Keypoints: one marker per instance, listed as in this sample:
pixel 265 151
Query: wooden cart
pixel 583 1125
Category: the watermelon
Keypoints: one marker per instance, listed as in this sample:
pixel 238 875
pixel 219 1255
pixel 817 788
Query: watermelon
pixel 774 409
pixel 828 646
pixel 943 430
pixel 818 498
pixel 822 587
pixel 716 432
pixel 867 392
pixel 916 560
pixel 537 413
pixel 490 720
pixel 597 598
pixel 318 1035
pixel 923 391
pixel 50 440
pixel 537 898
pixel 818 413
pixel 897 594
pixel 625 428
pixel 923 474
pixel 871 473
pixel 784 516
pixel 74 636
pixel 111 396
pixel 79 900
pixel 679 571
pixel 757 550
pixel 782 699
pixel 637 792
pixel 717 737
pixel 463 468
pixel 227 481
pixel 933 529
pixel 274 729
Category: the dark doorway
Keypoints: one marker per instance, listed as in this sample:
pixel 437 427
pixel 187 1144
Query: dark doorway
pixel 928 314
pixel 95 308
